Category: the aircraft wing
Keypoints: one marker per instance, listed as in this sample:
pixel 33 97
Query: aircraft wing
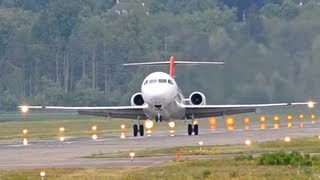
pixel 127 112
pixel 204 111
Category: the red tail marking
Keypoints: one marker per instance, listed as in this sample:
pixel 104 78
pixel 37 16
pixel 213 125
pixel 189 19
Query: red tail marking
pixel 172 67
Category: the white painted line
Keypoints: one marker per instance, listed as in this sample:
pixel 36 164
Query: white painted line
pixel 17 145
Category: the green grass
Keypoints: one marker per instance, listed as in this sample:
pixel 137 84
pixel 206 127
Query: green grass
pixel 239 164
pixel 304 145
pixel 195 169
pixel 223 169
pixel 49 128
pixel 65 174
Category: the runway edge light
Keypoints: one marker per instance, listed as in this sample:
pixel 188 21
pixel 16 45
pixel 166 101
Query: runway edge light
pixel 42 174
pixel 149 124
pixel 200 144
pixel 311 104
pixel 25 141
pixel 24 108
pixel 132 155
pixel 94 128
pixel 172 124
pixel 248 142
pixel 61 139
pixel 62 129
pixel 287 139
pixel 94 137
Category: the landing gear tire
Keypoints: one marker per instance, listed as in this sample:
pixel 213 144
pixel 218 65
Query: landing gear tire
pixel 196 129
pixel 135 130
pixel 141 130
pixel 189 129
pixel 158 118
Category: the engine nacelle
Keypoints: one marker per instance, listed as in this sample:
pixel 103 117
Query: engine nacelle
pixel 197 98
pixel 137 100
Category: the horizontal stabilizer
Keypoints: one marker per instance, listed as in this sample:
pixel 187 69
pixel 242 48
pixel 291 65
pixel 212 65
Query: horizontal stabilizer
pixel 172 63
pixel 160 63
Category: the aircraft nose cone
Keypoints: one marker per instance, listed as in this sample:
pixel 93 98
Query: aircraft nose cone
pixel 156 97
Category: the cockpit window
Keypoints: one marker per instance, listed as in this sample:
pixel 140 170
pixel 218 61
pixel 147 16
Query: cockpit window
pixel 145 82
pixel 152 81
pixel 162 81
pixel 170 82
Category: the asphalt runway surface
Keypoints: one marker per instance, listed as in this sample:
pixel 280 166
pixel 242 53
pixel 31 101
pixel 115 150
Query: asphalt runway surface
pixel 51 153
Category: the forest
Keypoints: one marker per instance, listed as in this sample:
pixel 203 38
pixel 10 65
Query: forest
pixel 70 52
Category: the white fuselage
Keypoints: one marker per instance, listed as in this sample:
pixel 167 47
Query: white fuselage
pixel 162 95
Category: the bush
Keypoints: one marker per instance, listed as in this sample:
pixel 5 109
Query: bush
pixel 281 158
pixel 233 174
pixel 206 173
pixel 243 158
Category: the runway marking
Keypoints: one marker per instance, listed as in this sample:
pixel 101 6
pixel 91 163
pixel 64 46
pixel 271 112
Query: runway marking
pixel 18 145
pixel 66 142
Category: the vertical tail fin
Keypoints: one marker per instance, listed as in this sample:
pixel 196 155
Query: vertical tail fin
pixel 172 66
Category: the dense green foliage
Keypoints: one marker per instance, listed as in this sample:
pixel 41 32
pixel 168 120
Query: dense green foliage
pixel 282 158
pixel 69 52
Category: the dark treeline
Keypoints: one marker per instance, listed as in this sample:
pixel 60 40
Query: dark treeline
pixel 69 52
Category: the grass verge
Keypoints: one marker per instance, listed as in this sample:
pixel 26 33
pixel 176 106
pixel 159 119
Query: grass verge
pixel 304 145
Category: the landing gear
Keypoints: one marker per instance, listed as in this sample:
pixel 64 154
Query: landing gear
pixel 194 129
pixel 189 129
pixel 158 118
pixel 136 130
pixel 141 130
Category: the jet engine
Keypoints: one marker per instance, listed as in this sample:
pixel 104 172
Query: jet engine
pixel 137 100
pixel 197 98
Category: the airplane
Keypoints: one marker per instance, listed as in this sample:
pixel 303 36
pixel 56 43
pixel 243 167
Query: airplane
pixel 161 99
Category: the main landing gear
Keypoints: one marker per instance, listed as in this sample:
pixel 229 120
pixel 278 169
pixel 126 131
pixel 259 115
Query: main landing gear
pixel 193 128
pixel 137 130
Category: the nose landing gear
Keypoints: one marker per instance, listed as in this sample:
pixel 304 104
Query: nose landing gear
pixel 158 118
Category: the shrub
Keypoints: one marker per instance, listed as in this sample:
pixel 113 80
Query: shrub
pixel 243 158
pixel 206 173
pixel 281 158
pixel 233 174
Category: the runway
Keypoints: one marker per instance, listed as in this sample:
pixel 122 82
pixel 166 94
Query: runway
pixel 52 153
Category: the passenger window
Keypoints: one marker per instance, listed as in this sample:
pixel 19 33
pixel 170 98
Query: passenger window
pixel 146 82
pixel 152 81
pixel 170 82
pixel 162 81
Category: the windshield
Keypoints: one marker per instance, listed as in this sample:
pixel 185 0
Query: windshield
pixel 162 81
